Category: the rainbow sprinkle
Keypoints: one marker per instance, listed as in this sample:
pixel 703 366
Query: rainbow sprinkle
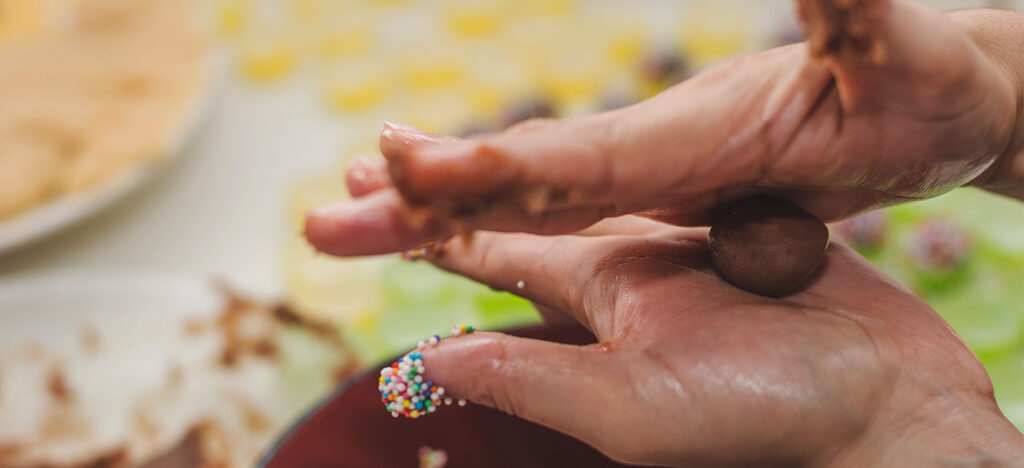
pixel 404 388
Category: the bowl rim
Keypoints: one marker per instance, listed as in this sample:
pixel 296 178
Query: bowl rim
pixel 271 452
pixel 286 436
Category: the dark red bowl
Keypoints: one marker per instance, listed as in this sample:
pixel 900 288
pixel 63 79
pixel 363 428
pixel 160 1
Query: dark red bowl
pixel 350 429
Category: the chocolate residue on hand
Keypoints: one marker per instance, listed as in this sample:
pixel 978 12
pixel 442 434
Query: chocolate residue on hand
pixel 836 26
pixel 488 182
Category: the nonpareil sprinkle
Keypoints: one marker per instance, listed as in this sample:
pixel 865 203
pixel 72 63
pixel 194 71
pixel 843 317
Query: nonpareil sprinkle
pixel 404 388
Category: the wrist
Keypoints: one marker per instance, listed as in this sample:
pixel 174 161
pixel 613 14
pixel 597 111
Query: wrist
pixel 942 429
pixel 999 34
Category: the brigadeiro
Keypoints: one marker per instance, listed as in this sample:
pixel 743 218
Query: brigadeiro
pixel 866 232
pixel 766 245
pixel 938 246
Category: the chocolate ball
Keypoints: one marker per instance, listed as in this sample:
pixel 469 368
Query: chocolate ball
pixel 766 245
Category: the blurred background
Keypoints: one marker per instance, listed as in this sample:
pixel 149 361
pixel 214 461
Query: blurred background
pixel 157 157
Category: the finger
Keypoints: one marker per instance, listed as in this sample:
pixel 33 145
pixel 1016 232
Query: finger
pixel 381 223
pixel 366 175
pixel 588 278
pixel 625 160
pixel 375 224
pixel 623 226
pixel 549 271
pixel 886 50
pixel 556 385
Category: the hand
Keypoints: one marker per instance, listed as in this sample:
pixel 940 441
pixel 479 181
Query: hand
pixel 851 371
pixel 691 371
pixel 891 102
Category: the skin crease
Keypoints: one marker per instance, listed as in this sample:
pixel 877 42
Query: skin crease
pixel 850 371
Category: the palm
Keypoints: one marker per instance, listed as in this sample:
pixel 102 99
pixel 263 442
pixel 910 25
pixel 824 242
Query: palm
pixel 810 369
pixel 691 370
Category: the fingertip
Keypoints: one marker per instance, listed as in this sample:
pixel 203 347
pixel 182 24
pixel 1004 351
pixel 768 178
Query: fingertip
pixel 524 377
pixel 397 139
pixel 486 368
pixel 372 225
pixel 366 175
pixel 320 228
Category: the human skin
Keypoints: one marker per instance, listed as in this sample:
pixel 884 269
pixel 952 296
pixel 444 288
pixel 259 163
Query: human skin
pixel 852 370
pixel 836 134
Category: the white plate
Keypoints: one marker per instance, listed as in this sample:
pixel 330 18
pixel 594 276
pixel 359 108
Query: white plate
pixel 64 211
pixel 140 356
pixel 135 321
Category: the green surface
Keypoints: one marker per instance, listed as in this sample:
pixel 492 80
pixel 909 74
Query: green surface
pixel 421 301
pixel 983 300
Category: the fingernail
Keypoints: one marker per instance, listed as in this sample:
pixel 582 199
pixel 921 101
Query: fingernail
pixel 399 132
pixel 361 167
pixel 405 134
pixel 401 127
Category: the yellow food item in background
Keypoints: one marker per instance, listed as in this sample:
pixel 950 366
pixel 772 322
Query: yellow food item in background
pixel 345 98
pixel 621 34
pixel 307 11
pixel 355 86
pixel 627 47
pixel 437 112
pixel 340 43
pixel 430 71
pixel 574 79
pixel 389 3
pixel 495 78
pixel 473 18
pixel 343 291
pixel 545 8
pixel 267 59
pixel 232 16
pixel 715 31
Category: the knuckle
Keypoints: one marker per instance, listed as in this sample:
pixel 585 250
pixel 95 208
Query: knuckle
pixel 494 391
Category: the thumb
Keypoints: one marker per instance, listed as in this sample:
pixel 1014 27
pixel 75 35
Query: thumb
pixel 552 384
pixel 883 52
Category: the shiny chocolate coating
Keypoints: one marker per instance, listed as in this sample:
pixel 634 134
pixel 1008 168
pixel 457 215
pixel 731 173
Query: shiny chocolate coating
pixel 766 245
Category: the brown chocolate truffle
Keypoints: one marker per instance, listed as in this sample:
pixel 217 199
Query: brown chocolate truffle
pixel 766 245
